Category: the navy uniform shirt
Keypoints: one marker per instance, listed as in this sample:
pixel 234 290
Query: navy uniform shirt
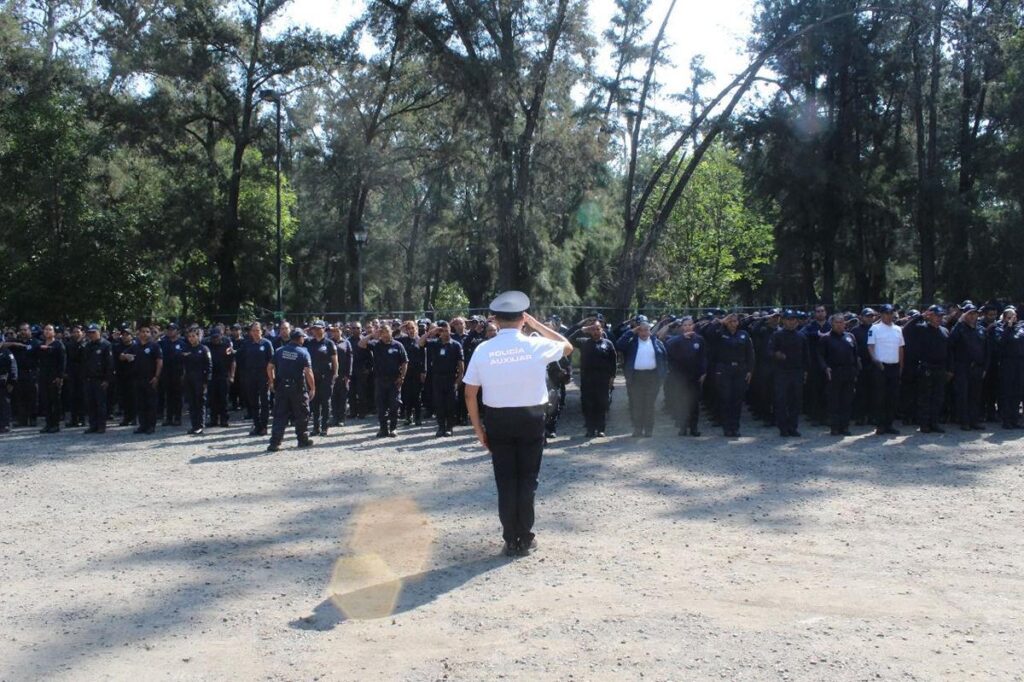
pixel 860 335
pixel 837 350
pixel 598 359
pixel 417 356
pixel 223 357
pixel 321 353
pixel 290 362
pixel 443 358
pixel 76 357
pixel 362 358
pixel 967 345
pixel 237 346
pixel 146 355
pixel 122 368
pixel 256 355
pixel 8 366
pixel 345 356
pixel 687 355
pixel 196 361
pixel 934 346
pixel 27 357
pixel 172 353
pixel 794 345
pixel 734 350
pixel 388 359
pixel 98 362
pixel 53 360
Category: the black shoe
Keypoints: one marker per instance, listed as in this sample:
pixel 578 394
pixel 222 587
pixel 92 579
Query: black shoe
pixel 308 443
pixel 511 548
pixel 637 433
pixel 448 434
pixel 976 427
pixel 315 432
pixel 695 433
pixel 417 422
pixel 195 432
pixel 33 422
pixel 91 430
pixel 925 429
pixel 323 432
pixel 124 422
pixel 261 432
pixel 392 434
pixel 938 429
pixel 684 432
pixel 439 433
pixel 177 421
pixel 139 431
pixel 550 434
pixel 382 434
pixel 795 434
pixel 845 432
pixel 408 421
pixel 599 434
pixel 254 432
pixel 273 447
pixel 524 548
pixel 966 427
pixel 892 432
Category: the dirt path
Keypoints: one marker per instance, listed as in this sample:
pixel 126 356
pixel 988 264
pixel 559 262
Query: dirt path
pixel 171 557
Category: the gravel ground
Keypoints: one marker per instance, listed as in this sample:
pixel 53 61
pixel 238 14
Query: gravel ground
pixel 175 557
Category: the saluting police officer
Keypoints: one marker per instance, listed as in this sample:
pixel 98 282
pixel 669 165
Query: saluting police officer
pixel 598 365
pixel 290 374
pixel 146 361
pixel 171 378
pixel 733 358
pixel 933 370
pixel 886 347
pixel 969 352
pixel 1008 351
pixel 256 357
pixel 324 356
pixel 197 366
pixel 839 360
pixel 340 393
pixel 75 385
pixel 389 366
pixel 52 367
pixel 510 371
pixel 8 379
pixel 98 370
pixel 222 376
pixel 412 387
pixel 444 365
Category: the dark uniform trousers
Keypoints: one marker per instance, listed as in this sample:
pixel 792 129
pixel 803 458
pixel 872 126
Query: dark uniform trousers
pixel 886 383
pixel 339 401
pixel 220 392
pixel 126 397
pixel 321 404
pixel 594 399
pixel 49 396
pixel 931 393
pixel 96 404
pixel 789 389
pixel 75 389
pixel 643 394
pixel 195 395
pixel 366 396
pixel 412 400
pixel 444 398
pixel 515 437
pixel 1011 371
pixel 864 396
pixel 26 397
pixel 389 403
pixel 172 387
pixel 731 385
pixel 968 380
pixel 290 400
pixel 839 393
pixel 5 405
pixel 258 399
pixel 145 403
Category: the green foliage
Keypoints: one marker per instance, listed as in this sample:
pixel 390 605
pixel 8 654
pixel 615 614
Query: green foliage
pixel 451 300
pixel 714 241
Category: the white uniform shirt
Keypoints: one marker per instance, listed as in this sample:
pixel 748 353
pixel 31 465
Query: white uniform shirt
pixel 511 368
pixel 644 355
pixel 887 340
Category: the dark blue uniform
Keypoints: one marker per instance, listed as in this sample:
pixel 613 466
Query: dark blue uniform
pixel 442 363
pixel 74 386
pixel 687 363
pixel 864 392
pixel 1008 354
pixel 98 371
pixel 53 363
pixel 256 355
pixel 171 379
pixel 388 359
pixel 197 367
pixel 968 354
pixel 236 393
pixel 222 354
pixel 362 388
pixel 788 375
pixel 322 353
pixel 412 387
pixel 26 390
pixel 123 392
pixel 932 375
pixel 598 364
pixel 814 395
pixel 143 373
pixel 733 357
pixel 839 354
pixel 8 380
pixel 339 397
pixel 291 396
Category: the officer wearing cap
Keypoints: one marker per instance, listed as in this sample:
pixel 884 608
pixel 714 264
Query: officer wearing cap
pixel 790 355
pixel 733 358
pixel 839 361
pixel 290 376
pixel 171 378
pixel 762 383
pixel 256 357
pixel 124 394
pixel 969 353
pixel 412 387
pixel 8 380
pixel 146 361
pixel 339 395
pixel 863 397
pixel 887 349
pixel 445 366
pixel 236 392
pixel 75 385
pixel 26 394
pixel 510 372
pixel 324 355
pixel 222 377
pixel 933 370
pixel 98 372
pixel 197 368
pixel 688 367
pixel 1007 337
pixel 598 364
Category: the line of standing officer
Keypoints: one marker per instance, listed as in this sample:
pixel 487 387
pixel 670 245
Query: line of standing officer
pixel 733 361
pixel 789 351
pixel 839 362
pixel 290 376
pixel 222 376
pixel 389 362
pixel 969 353
pixel 324 356
pixel 196 363
pixel 598 365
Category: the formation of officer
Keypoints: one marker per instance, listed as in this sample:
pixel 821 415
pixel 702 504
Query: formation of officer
pixel 942 365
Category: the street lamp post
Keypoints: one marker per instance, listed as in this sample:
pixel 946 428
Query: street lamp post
pixel 360 235
pixel 275 97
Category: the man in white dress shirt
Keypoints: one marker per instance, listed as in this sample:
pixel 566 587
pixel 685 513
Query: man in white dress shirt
pixel 510 371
